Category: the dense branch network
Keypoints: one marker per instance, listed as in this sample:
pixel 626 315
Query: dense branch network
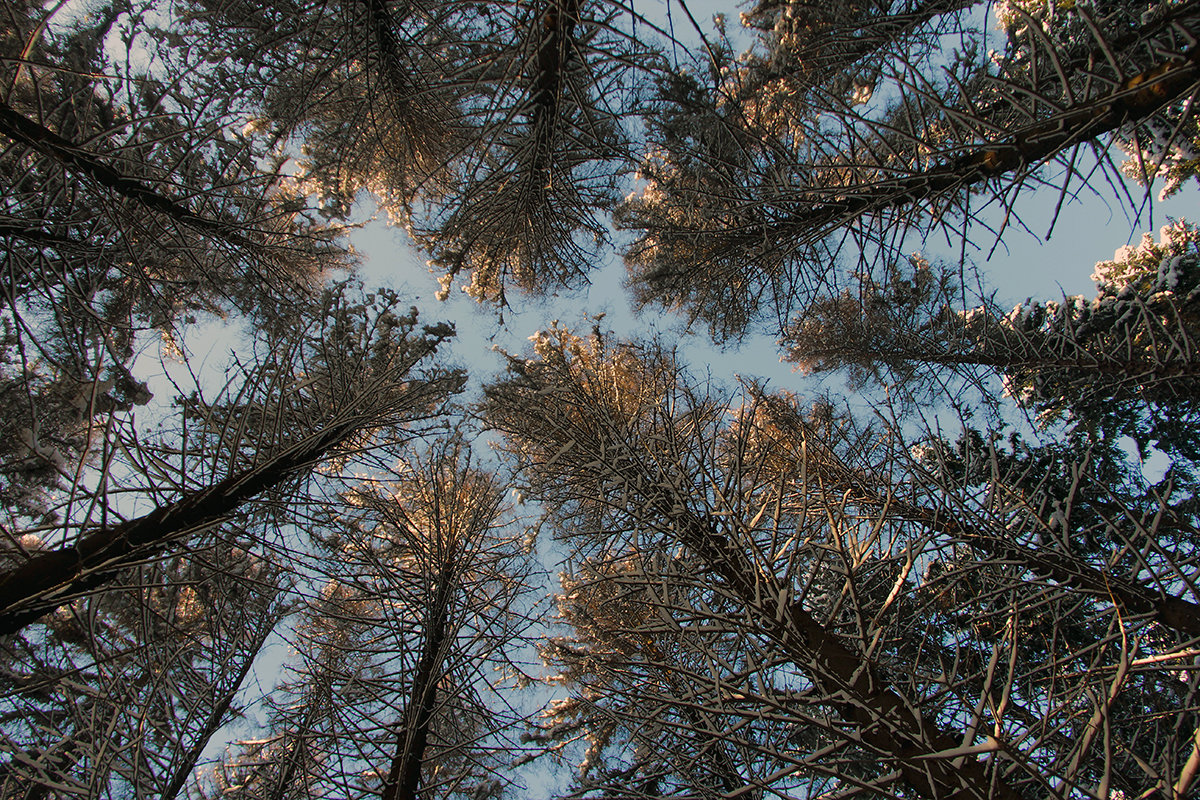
pixel 930 596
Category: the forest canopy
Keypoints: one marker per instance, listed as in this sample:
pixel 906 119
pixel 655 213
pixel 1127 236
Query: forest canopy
pixel 263 534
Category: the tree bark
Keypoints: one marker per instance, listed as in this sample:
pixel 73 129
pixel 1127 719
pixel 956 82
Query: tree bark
pixel 22 130
pixel 557 31
pixel 216 719
pixel 49 580
pixel 887 722
pixel 404 777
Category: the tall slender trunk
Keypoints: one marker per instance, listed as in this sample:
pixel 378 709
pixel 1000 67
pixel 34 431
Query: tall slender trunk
pixel 51 579
pixel 556 27
pixel 216 718
pixel 404 777
pixel 19 128
pixel 888 722
pixel 1135 99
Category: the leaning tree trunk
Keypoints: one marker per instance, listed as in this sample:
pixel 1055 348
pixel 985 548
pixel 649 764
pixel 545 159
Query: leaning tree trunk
pixel 51 579
pixel 23 130
pixel 889 722
pixel 1062 568
pixel 217 717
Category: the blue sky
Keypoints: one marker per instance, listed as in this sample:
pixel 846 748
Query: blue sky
pixel 1088 229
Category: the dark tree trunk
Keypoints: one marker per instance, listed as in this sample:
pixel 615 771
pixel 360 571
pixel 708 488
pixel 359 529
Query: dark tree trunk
pixel 1174 612
pixel 1137 98
pixel 556 27
pixel 32 134
pixel 216 718
pixel 404 777
pixel 49 580
pixel 887 722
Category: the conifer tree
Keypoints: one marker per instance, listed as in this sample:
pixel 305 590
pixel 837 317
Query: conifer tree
pixel 768 170
pixel 618 444
pixel 129 210
pixel 128 687
pixel 760 596
pixel 351 379
pixel 1120 364
pixel 421 602
pixel 492 132
pixel 1015 605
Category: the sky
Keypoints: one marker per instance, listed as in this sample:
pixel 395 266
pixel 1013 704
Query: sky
pixel 1089 229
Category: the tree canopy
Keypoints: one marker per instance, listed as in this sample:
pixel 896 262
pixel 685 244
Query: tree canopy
pixel 263 536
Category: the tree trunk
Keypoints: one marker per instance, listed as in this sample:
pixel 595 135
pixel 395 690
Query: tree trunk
pixel 1137 98
pixel 404 777
pixel 51 579
pixel 557 29
pixel 21 129
pixel 888 722
pixel 216 718
pixel 1174 612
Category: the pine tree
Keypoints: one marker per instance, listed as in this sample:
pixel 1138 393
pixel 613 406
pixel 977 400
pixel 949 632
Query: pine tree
pixel 760 596
pixel 1119 364
pixel 765 172
pixel 129 209
pixel 635 460
pixel 422 598
pixel 492 132
pixel 351 379
pixel 132 684
pixel 1009 613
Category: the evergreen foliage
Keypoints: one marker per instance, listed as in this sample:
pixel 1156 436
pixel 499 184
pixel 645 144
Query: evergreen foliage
pixel 965 582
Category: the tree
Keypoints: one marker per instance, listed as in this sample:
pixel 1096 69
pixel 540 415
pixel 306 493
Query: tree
pixel 807 532
pixel 528 204
pixel 761 596
pixel 592 425
pixel 132 207
pixel 1119 364
pixel 132 684
pixel 493 132
pixel 341 385
pixel 129 208
pixel 133 630
pixel 751 198
pixel 423 597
